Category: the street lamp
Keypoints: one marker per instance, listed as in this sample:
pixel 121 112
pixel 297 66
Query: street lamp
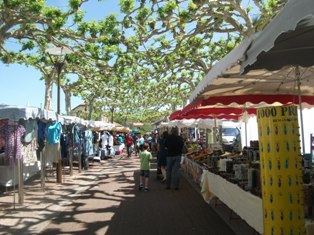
pixel 59 53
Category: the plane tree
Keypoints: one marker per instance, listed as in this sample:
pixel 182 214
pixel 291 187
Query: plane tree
pixel 148 60
pixel 176 42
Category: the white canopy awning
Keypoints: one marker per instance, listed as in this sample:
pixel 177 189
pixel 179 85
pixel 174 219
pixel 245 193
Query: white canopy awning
pixel 15 113
pixel 200 123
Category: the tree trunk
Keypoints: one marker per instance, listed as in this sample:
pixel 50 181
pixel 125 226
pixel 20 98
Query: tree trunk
pixel 125 120
pixel 68 95
pixel 90 109
pixel 48 91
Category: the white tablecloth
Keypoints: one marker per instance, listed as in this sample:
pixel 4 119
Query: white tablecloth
pixel 245 204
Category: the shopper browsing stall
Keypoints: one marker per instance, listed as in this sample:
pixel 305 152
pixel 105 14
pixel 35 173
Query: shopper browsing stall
pixel 174 144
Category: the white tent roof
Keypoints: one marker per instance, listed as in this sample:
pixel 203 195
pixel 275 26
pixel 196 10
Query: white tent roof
pixel 13 112
pixel 16 113
pixel 66 120
pixel 201 123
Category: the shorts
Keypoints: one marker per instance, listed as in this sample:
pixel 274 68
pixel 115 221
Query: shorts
pixel 144 173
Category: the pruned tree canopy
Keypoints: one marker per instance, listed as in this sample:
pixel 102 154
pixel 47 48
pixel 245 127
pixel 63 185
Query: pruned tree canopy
pixel 142 63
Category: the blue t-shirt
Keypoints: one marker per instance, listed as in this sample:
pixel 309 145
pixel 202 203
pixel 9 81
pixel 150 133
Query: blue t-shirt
pixel 41 131
pixel 149 139
pixel 53 132
pixel 141 141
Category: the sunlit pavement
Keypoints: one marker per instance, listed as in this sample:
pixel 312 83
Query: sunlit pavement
pixel 105 200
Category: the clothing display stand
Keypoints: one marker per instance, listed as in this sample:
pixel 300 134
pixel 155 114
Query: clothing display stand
pixel 80 158
pixel 71 150
pixel 20 181
pixel 19 173
pixel 71 160
pixel 43 170
pixel 14 186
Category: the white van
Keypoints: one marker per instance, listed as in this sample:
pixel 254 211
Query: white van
pixel 229 134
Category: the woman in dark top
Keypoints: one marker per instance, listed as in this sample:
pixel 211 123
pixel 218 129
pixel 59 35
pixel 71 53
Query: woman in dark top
pixel 162 155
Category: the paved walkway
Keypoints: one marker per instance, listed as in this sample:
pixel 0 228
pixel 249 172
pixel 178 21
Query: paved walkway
pixel 105 200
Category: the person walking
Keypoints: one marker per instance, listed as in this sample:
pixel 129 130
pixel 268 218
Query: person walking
pixel 174 144
pixel 145 158
pixel 136 144
pixel 129 143
pixel 162 155
pixel 141 142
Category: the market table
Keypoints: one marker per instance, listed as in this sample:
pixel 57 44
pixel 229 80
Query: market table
pixel 243 203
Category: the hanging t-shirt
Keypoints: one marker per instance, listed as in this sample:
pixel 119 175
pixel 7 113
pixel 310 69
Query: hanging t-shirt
pixel 110 140
pixel 53 131
pixel 76 135
pixel 105 139
pixel 41 130
pixel 31 131
pixel 88 143
pixel 95 137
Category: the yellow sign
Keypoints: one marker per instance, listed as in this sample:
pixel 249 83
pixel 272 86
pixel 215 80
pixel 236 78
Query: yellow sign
pixel 281 170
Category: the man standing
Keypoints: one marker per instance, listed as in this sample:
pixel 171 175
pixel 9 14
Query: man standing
pixel 174 144
pixel 129 143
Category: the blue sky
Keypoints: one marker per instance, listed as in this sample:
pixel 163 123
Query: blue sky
pixel 21 85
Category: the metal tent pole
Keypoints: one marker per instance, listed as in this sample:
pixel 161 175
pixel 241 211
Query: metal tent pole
pixel 297 73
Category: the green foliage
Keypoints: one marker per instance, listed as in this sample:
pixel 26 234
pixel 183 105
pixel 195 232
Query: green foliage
pixel 78 16
pixel 192 6
pixel 75 4
pixel 108 25
pixel 198 1
pixel 184 16
pixel 28 45
pixel 170 6
pixel 249 9
pixel 36 6
pixel 55 16
pixel 147 61
pixel 126 6
pixel 142 14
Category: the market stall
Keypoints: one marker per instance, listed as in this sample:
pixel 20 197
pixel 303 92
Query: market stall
pixel 282 82
pixel 14 116
pixel 19 133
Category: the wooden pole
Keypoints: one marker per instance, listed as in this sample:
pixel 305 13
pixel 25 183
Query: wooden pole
pixel 20 180
pixel 43 171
